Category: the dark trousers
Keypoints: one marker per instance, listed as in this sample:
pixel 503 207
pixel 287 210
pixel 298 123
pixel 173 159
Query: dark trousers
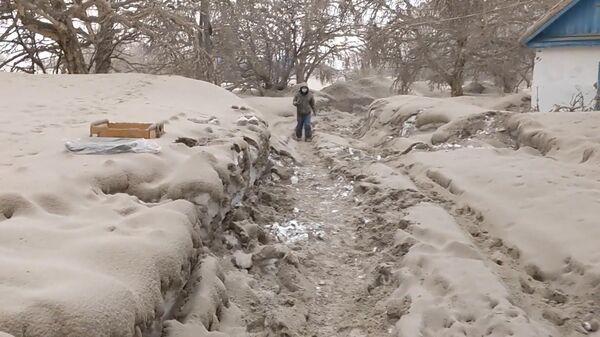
pixel 303 123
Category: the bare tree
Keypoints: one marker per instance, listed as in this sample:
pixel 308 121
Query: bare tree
pixel 27 52
pixel 86 36
pixel 179 40
pixel 266 43
pixel 450 40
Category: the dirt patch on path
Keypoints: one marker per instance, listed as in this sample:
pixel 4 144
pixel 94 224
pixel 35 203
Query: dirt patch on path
pixel 302 255
pixel 315 214
pixel 340 263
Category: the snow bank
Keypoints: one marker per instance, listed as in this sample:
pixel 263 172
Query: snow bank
pixel 442 285
pixel 515 102
pixel 105 243
pixel 281 115
pixel 348 96
pixel 447 289
pixel 572 136
pixel 423 88
pixel 403 116
pixel 526 193
pixel 545 209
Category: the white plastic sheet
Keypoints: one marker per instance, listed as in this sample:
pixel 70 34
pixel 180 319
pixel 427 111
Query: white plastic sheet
pixel 111 146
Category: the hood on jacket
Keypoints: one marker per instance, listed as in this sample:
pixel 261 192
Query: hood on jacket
pixel 303 86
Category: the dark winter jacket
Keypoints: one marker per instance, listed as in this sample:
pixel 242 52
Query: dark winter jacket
pixel 305 103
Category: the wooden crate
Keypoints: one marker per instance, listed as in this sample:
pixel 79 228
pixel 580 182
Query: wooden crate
pixel 104 128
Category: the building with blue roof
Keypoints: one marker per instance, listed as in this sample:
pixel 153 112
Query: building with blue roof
pixel 567 64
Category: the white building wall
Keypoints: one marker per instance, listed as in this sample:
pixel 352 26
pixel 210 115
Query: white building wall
pixel 561 72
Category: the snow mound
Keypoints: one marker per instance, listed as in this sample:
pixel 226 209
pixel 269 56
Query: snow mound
pixel 350 95
pixel 569 136
pixel 447 289
pixel 520 102
pixel 101 245
pixel 399 116
pixel 545 209
pixel 446 285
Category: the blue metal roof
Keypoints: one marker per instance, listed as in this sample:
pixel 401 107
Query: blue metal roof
pixel 571 23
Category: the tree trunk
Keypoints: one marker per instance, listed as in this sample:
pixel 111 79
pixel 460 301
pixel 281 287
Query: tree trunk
pixel 205 26
pixel 205 65
pixel 507 87
pixel 267 84
pixel 457 81
pixel 300 75
pixel 509 82
pixel 456 86
pixel 301 69
pixel 283 80
pixel 404 87
pixel 105 44
pixel 103 59
pixel 73 56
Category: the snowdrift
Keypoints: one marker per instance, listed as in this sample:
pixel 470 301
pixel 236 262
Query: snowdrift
pixel 524 188
pixel 440 283
pixel 103 245
pixel 569 136
pixel 349 96
pixel 404 116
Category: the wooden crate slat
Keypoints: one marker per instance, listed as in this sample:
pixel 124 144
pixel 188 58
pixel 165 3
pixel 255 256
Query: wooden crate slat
pixel 105 128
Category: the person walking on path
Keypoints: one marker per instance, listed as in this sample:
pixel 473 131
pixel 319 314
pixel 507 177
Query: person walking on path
pixel 304 101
